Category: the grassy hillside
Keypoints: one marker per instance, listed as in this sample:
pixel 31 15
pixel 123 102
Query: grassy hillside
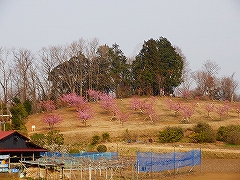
pixel 138 125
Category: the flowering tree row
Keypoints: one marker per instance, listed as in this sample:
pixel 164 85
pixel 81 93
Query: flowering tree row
pixel 187 111
pixel 85 111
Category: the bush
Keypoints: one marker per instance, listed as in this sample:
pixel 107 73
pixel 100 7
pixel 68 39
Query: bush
pixel 95 139
pixel 105 137
pixel 171 134
pixel 233 137
pixel 101 148
pixel 38 139
pixel 203 132
pixel 73 151
pixel 54 138
pixel 229 134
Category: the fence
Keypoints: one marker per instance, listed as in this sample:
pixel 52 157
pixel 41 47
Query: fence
pixel 89 155
pixel 109 165
pixel 155 162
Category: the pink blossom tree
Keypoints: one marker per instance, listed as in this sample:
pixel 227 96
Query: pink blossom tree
pixel 47 105
pixel 227 106
pixel 95 95
pixel 151 114
pixel 73 100
pixel 187 112
pixel 85 114
pixel 135 103
pixel 52 119
pixel 221 110
pixel 109 103
pixel 146 107
pixel 169 103
pixel 237 109
pixel 175 106
pixel 122 116
pixel 210 108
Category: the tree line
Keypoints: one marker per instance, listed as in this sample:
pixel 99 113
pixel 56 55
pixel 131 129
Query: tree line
pixel 159 68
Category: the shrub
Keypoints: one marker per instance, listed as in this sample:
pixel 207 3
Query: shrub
pixel 54 138
pixel 203 132
pixel 233 137
pixel 229 134
pixel 95 139
pixel 222 133
pixel 105 137
pixel 38 139
pixel 73 151
pixel 171 134
pixel 101 148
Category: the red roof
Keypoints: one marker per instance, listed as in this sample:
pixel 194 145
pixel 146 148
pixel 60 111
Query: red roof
pixel 4 134
pixel 23 150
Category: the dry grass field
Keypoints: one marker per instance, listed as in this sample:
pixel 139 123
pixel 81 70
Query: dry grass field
pixel 139 124
pixel 141 129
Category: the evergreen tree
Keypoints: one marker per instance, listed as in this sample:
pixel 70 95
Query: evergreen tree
pixel 157 67
pixel 28 106
pixel 119 72
pixel 101 74
pixel 171 65
pixel 19 114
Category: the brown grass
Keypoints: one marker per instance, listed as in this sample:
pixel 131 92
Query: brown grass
pixel 138 126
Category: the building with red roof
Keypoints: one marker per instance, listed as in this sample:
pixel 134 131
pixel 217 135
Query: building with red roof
pixel 18 146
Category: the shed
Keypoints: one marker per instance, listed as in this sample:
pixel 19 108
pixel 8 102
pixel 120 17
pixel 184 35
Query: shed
pixel 18 146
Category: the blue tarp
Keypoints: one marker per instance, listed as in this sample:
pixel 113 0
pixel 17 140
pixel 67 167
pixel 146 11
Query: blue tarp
pixel 91 155
pixel 155 162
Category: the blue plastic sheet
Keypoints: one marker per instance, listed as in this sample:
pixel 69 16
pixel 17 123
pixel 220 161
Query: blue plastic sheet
pixel 155 162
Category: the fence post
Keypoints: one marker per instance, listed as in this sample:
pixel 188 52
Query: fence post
pixel 151 163
pixel 90 172
pixel 193 153
pixel 174 160
pixel 200 159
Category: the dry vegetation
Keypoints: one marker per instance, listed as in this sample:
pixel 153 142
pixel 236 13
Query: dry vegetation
pixel 138 125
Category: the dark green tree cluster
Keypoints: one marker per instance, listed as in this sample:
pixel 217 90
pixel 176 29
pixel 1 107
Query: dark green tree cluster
pixel 157 67
pixel 20 112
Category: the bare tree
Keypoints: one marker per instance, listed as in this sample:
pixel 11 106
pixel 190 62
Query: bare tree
pixel 228 87
pixel 5 73
pixel 206 79
pixel 91 54
pixel 51 57
pixel 101 66
pixel 23 61
pixel 186 72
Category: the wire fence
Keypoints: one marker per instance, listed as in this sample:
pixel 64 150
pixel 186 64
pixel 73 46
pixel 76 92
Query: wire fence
pixel 110 165
pixel 155 162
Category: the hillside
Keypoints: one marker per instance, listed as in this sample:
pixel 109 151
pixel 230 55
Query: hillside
pixel 138 125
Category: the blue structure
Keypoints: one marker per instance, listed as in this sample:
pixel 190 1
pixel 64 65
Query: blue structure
pixel 155 162
pixel 90 155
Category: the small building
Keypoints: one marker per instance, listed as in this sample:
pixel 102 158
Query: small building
pixel 17 147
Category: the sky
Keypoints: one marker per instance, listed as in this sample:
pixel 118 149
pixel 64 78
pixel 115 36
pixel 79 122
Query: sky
pixel 202 29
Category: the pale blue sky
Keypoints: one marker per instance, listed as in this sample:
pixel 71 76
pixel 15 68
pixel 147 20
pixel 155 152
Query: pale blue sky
pixel 203 29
